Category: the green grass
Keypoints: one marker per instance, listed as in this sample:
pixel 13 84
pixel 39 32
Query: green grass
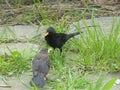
pixel 7 35
pixel 91 52
pixel 98 85
pixel 98 50
pixel 17 62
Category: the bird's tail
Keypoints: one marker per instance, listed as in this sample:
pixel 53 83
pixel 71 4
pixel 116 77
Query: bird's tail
pixel 38 80
pixel 72 35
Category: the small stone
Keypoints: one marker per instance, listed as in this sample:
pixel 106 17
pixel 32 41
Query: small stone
pixel 117 81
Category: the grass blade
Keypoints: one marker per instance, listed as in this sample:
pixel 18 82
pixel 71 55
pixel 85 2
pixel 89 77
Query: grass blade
pixel 109 85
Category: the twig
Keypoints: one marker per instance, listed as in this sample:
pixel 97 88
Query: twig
pixel 5 86
pixel 89 26
pixel 9 6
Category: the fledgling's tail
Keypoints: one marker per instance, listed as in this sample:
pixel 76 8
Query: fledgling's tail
pixel 38 80
pixel 72 35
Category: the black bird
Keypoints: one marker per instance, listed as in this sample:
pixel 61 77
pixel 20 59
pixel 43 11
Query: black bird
pixel 57 40
pixel 40 67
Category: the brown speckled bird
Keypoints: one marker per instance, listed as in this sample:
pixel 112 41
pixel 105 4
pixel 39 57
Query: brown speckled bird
pixel 57 40
pixel 40 67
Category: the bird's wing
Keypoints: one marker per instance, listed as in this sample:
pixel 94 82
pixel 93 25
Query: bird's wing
pixel 36 66
pixel 60 38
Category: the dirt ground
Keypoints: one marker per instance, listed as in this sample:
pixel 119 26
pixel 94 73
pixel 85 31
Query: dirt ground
pixel 25 14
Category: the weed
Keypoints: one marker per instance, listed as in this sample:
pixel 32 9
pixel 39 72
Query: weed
pixel 99 84
pixel 7 35
pixel 97 49
pixel 16 62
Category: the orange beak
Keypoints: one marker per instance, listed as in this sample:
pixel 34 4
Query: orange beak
pixel 46 33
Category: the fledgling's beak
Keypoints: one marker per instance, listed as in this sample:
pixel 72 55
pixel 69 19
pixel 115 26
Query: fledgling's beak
pixel 46 33
pixel 49 50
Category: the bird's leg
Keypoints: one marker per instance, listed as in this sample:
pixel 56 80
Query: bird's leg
pixel 54 52
pixel 60 51
pixel 46 78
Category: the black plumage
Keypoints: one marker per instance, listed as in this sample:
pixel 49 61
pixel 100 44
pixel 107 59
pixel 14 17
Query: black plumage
pixel 57 40
pixel 40 67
